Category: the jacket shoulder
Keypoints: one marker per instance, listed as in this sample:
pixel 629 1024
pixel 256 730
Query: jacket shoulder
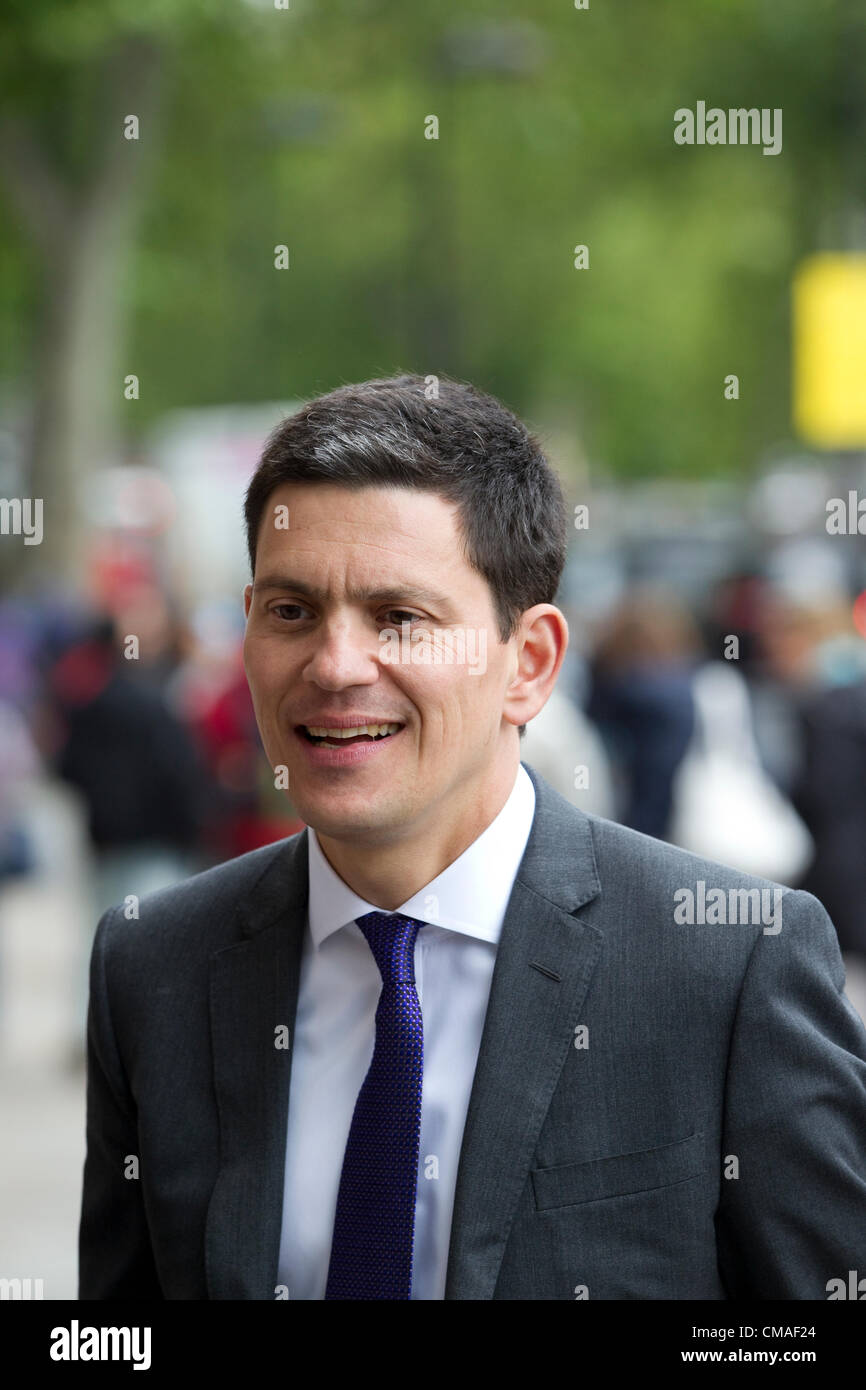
pixel 621 849
pixel 200 912
pixel 639 869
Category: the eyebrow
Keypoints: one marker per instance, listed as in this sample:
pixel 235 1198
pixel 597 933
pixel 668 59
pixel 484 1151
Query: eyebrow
pixel 414 592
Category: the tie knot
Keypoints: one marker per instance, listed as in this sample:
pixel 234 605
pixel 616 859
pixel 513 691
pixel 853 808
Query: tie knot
pixel 391 938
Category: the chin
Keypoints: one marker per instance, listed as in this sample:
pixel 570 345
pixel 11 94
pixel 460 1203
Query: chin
pixel 334 806
pixel 338 814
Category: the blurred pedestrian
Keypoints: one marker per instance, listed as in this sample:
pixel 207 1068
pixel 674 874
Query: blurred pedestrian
pixel 136 769
pixel 641 699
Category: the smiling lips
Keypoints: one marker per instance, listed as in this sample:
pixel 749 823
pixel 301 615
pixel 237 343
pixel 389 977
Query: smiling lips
pixel 334 737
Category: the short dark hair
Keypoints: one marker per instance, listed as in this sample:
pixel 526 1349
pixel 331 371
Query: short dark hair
pixel 441 436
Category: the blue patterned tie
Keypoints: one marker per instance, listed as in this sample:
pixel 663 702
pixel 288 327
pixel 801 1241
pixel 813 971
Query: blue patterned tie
pixel 374 1226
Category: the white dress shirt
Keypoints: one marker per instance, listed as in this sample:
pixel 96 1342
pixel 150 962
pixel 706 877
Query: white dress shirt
pixel 335 1032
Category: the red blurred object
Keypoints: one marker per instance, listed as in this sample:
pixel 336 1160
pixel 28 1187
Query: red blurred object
pixel 251 832
pixel 228 735
pixel 81 673
pixel 120 566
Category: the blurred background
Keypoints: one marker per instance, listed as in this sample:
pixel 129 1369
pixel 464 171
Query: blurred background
pixel 211 211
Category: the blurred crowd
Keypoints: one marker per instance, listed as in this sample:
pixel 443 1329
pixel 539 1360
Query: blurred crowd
pixel 738 732
pixel 149 721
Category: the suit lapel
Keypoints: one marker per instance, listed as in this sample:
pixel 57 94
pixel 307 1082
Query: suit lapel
pixel 254 993
pixel 528 1029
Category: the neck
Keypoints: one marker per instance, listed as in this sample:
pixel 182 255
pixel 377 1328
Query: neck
pixel 392 873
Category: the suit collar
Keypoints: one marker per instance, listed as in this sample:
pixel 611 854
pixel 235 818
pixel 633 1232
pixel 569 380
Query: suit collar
pixel 283 883
pixel 559 861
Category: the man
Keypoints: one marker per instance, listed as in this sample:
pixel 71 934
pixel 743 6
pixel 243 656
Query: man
pixel 456 1039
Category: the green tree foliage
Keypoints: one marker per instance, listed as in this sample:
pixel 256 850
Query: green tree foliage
pixel 305 127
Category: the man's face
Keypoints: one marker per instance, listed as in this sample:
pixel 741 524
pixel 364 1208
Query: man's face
pixel 349 565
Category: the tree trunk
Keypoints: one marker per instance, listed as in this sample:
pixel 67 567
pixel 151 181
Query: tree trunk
pixel 84 236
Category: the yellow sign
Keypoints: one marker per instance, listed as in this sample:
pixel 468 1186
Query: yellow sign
pixel 829 333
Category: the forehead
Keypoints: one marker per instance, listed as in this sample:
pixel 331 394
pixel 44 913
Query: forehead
pixel 364 522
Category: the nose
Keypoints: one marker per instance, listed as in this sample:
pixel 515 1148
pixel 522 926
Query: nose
pixel 345 654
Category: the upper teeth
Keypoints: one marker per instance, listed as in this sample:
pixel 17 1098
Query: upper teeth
pixel 353 733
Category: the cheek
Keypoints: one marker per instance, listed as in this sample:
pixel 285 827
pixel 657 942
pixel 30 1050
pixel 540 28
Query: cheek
pixel 453 703
pixel 266 666
pixel 253 655
pixel 482 700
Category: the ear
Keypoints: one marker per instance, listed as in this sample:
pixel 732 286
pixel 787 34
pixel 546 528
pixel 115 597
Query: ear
pixel 248 598
pixel 542 639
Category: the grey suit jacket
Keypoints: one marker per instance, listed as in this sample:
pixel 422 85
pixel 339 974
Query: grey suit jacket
pixel 659 1110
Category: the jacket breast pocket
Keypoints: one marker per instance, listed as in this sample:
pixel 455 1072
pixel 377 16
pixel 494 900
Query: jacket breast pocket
pixel 595 1179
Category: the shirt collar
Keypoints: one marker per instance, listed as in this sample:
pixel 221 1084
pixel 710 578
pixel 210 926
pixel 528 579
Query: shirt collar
pixel 469 896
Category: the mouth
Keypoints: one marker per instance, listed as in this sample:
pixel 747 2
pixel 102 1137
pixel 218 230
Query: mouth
pixel 324 737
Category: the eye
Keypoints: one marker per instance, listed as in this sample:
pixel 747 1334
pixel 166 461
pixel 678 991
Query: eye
pixel 401 615
pixel 287 611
